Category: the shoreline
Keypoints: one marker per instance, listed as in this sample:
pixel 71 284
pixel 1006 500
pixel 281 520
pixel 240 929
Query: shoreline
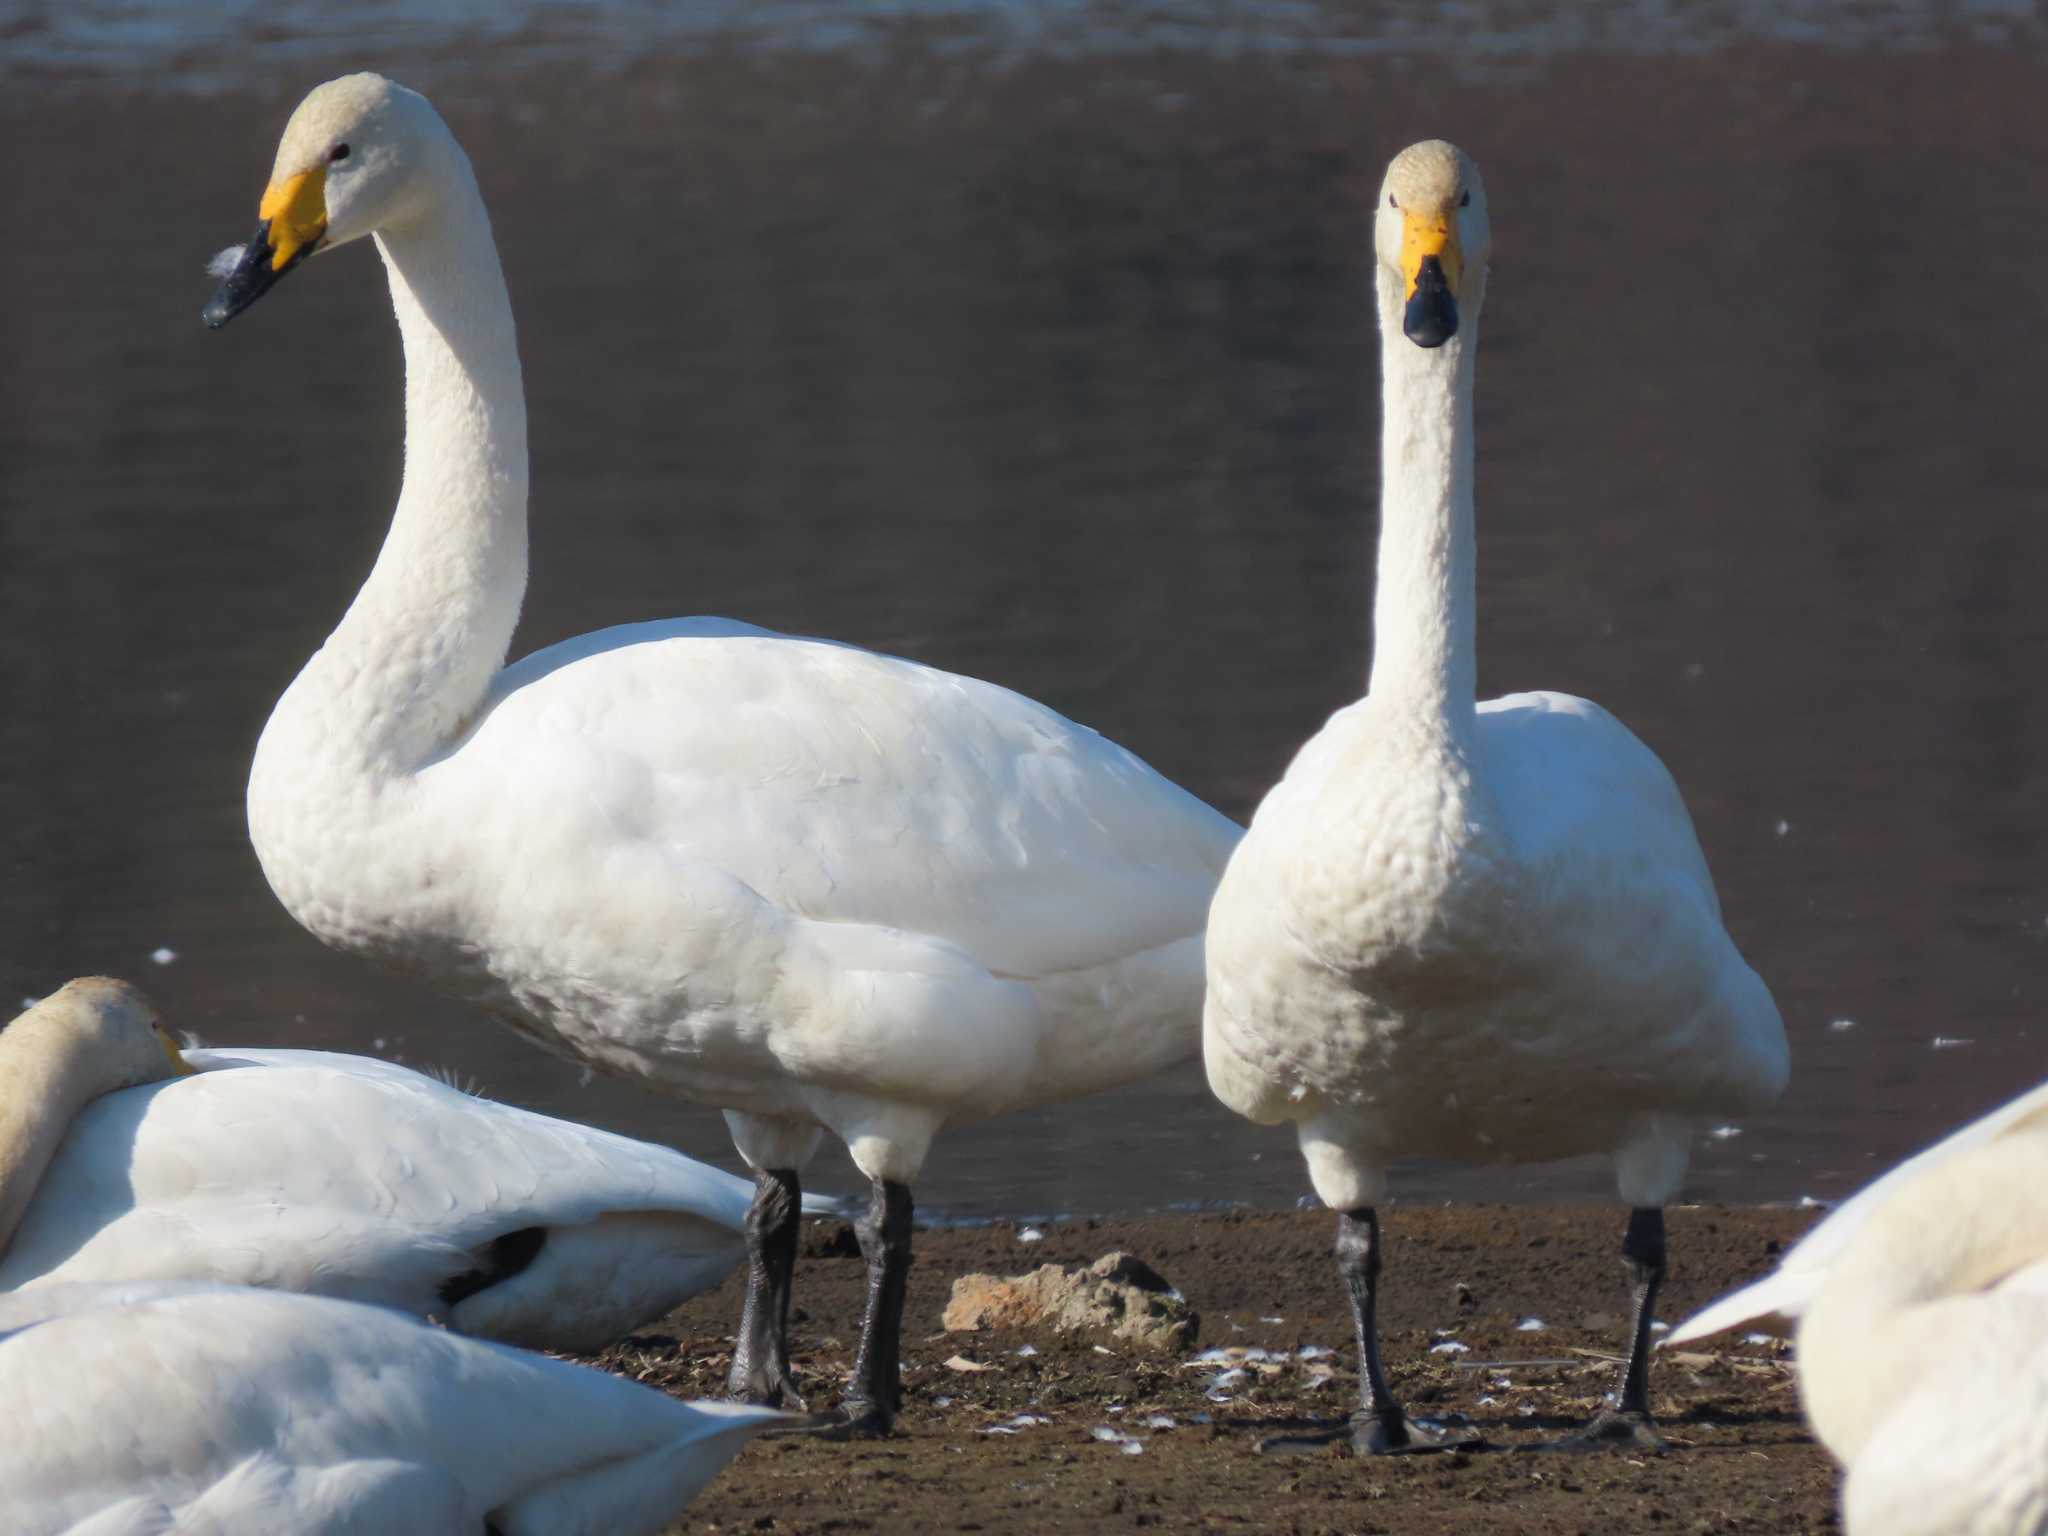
pixel 241 45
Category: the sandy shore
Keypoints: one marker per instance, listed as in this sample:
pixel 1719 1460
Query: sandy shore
pixel 1740 1460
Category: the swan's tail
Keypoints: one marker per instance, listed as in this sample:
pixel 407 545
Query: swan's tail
pixel 1771 1305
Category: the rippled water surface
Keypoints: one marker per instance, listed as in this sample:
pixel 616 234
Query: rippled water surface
pixel 1052 363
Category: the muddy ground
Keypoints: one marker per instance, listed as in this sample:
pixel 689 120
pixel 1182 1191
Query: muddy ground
pixel 1740 1459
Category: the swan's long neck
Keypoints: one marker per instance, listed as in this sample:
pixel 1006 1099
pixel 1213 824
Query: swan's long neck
pixel 43 1085
pixel 1423 646
pixel 410 662
pixel 1899 1293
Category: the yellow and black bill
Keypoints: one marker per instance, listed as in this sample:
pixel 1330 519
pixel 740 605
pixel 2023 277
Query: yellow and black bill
pixel 293 227
pixel 1432 264
pixel 1431 318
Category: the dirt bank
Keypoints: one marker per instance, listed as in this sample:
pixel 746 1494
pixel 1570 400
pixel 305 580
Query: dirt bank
pixel 1740 1459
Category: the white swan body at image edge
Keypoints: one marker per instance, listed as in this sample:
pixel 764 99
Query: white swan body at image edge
pixel 1923 1353
pixel 150 1409
pixel 1778 1300
pixel 351 1177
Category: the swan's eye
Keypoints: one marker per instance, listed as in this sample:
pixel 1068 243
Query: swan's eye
pixel 339 152
pixel 1465 201
pixel 1390 201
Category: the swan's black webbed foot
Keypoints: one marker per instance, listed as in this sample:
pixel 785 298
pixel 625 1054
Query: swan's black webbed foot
pixel 851 1421
pixel 1627 1425
pixel 1612 1429
pixel 1374 1434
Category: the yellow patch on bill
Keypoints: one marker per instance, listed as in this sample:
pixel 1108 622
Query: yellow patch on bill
pixel 296 209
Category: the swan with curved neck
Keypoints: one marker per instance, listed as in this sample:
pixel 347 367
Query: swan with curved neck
pixel 817 887
pixel 1920 1356
pixel 124 1158
pixel 1481 931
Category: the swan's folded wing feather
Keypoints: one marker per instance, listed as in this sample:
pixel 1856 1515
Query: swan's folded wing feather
pixel 267 1173
pixel 849 787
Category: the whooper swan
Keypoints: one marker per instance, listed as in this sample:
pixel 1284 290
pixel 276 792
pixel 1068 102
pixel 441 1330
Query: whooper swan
pixel 1480 932
pixel 154 1408
pixel 308 1171
pixel 809 884
pixel 1923 1354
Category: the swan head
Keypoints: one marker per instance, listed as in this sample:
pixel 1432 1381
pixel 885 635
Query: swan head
pixel 360 154
pixel 1432 239
pixel 108 1024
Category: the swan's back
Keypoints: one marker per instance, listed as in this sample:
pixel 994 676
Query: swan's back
pixel 351 1177
pixel 253 1411
pixel 1586 804
pixel 847 787
pixel 1607 863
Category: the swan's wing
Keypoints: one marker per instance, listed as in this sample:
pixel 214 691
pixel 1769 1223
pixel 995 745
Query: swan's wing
pixel 848 788
pixel 1605 852
pixel 46 1303
pixel 1577 783
pixel 1780 1297
pixel 1966 1452
pixel 258 1410
pixel 338 1174
pixel 211 1058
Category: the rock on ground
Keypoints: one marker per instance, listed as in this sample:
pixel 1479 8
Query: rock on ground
pixel 1118 1294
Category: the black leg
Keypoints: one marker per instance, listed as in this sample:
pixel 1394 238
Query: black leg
pixel 876 1391
pixel 1642 1251
pixel 1628 1423
pixel 760 1361
pixel 1380 1427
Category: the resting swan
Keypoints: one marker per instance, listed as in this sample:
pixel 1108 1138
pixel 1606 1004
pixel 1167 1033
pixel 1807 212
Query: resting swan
pixel 151 1408
pixel 1482 932
pixel 123 1158
pixel 814 886
pixel 1781 1298
pixel 1923 1354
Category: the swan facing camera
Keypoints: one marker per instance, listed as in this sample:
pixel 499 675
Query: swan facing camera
pixel 1431 318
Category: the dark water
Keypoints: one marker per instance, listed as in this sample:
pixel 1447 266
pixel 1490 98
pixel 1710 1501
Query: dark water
pixel 1055 366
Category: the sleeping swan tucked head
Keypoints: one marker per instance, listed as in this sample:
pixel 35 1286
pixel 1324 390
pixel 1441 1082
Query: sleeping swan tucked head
pixel 1433 240
pixel 98 1027
pixel 361 154
pixel 90 1037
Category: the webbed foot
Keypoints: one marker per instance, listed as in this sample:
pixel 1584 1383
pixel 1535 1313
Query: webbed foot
pixel 1611 1429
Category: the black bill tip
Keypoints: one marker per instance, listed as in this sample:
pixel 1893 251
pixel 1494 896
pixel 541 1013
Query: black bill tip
pixel 251 278
pixel 1431 318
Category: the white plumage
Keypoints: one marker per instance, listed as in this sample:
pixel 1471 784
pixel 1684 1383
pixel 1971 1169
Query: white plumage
pixel 147 1409
pixel 1481 931
pixel 815 886
pixel 1923 1351
pixel 349 1177
pixel 1781 1298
